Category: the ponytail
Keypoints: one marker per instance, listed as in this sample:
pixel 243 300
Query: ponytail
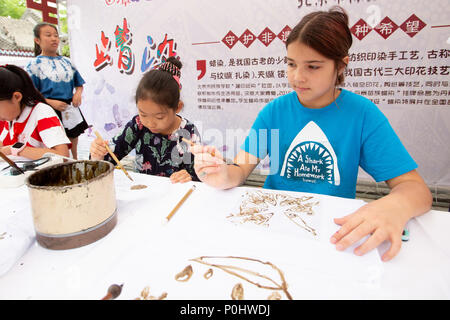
pixel 15 79
pixel 162 85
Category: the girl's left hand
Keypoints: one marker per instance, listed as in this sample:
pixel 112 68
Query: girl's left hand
pixel 6 150
pixel 181 176
pixel 76 99
pixel 380 220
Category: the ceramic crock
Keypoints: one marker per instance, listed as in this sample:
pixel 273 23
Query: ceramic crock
pixel 73 204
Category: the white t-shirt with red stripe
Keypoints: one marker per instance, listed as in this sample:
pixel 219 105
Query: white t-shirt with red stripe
pixel 37 126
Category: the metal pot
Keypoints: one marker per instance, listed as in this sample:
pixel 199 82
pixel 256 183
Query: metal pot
pixel 73 204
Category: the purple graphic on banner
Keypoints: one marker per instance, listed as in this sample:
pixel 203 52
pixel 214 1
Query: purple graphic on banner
pixel 117 115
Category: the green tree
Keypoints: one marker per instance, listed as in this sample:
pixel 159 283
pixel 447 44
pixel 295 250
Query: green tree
pixel 16 8
pixel 12 8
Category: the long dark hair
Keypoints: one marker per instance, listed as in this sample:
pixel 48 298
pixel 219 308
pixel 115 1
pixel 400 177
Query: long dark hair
pixel 326 33
pixel 15 79
pixel 160 86
pixel 37 34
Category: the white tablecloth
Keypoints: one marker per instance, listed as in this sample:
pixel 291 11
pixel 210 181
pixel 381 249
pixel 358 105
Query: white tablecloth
pixel 141 251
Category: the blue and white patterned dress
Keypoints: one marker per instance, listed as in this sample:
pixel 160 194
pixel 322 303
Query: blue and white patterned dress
pixel 56 78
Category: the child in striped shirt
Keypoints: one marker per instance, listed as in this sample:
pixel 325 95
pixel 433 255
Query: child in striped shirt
pixel 29 127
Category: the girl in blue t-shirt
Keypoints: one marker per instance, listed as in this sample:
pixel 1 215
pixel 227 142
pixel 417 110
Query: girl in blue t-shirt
pixel 319 135
pixel 59 82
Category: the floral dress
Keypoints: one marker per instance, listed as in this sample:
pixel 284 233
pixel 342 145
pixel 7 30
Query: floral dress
pixel 157 154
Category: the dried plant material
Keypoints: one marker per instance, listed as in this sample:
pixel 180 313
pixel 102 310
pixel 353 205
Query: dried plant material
pixel 238 271
pixel 258 207
pixel 208 274
pixel 3 236
pixel 295 217
pixel 114 291
pixel 238 292
pixel 274 296
pixel 138 187
pixel 185 275
pixel 161 297
pixel 145 295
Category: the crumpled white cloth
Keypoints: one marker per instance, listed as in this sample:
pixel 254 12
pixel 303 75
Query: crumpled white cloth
pixel 16 230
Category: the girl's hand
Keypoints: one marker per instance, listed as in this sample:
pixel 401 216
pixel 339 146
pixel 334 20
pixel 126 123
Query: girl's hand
pixel 98 149
pixel 181 176
pixel 381 220
pixel 57 105
pixel 6 150
pixel 209 168
pixel 76 99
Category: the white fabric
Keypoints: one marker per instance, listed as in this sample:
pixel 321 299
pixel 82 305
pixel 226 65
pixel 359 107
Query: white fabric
pixel 71 117
pixel 142 251
pixel 16 229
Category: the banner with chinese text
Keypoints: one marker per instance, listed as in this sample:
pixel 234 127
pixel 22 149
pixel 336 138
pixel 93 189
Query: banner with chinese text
pixel 233 55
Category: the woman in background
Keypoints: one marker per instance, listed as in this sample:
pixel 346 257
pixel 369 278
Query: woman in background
pixel 57 79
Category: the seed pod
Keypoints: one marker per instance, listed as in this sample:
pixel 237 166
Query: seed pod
pixel 138 186
pixel 238 292
pixel 274 296
pixel 145 292
pixel 208 274
pixel 161 297
pixel 114 291
pixel 185 275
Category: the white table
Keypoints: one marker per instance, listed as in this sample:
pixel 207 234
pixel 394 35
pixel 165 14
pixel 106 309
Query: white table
pixel 140 251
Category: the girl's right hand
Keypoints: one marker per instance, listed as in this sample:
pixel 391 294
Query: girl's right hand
pixel 98 149
pixel 210 169
pixel 57 105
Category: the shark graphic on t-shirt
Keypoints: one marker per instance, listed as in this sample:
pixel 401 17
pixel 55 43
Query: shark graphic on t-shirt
pixel 311 157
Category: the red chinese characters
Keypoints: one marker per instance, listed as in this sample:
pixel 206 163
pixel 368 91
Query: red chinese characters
pixel 412 25
pixel 360 29
pixel 45 8
pixel 266 36
pixel 283 35
pixel 247 38
pixel 386 27
pixel 102 53
pixel 126 56
pixel 230 39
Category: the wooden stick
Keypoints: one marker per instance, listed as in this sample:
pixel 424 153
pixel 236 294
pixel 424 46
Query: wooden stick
pixel 193 144
pixel 113 156
pixel 213 153
pixel 188 193
pixel 11 163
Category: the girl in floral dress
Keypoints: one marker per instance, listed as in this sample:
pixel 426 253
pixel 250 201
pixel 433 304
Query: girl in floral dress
pixel 157 130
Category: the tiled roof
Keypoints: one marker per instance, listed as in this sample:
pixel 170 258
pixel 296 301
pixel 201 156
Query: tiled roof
pixel 16 34
pixel 16 53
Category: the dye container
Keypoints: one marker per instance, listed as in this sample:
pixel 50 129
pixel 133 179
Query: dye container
pixel 73 204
